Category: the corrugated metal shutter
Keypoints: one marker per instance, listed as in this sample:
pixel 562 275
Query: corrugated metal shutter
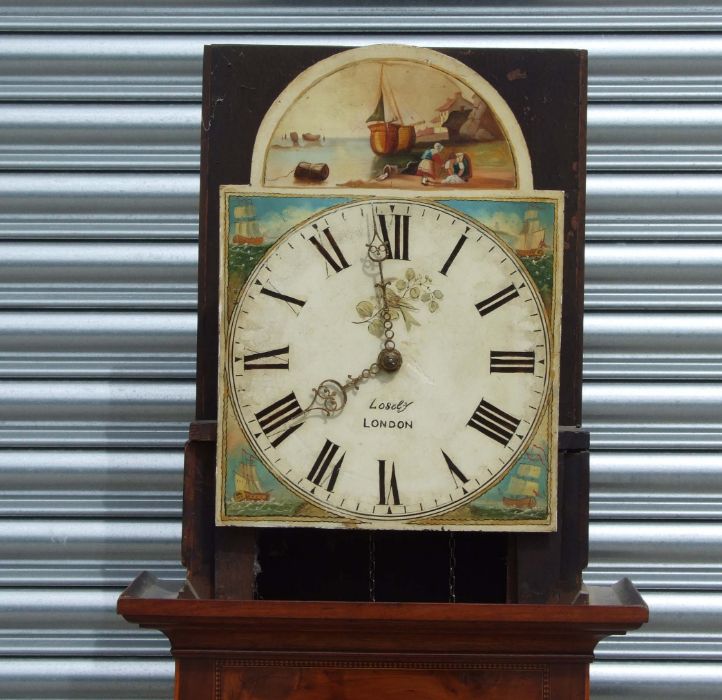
pixel 99 127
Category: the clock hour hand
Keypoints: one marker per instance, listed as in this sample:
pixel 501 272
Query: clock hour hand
pixel 330 396
pixel 389 358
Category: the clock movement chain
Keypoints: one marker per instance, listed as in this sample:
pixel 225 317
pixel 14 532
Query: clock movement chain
pixel 372 567
pixel 452 568
pixel 389 358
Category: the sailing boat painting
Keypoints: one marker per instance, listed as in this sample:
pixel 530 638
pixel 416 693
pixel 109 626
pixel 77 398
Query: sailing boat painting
pixel 247 485
pixel 523 493
pixel 244 225
pixel 531 242
pixel 523 487
pixel 391 123
pixel 388 132
pixel 251 490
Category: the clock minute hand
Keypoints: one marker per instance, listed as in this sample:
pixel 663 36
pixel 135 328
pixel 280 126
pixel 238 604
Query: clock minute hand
pixel 389 358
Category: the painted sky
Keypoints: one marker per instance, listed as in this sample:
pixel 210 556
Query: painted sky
pixel 338 105
pixel 505 218
pixel 276 214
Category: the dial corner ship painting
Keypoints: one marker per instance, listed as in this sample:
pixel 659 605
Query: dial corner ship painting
pixel 389 344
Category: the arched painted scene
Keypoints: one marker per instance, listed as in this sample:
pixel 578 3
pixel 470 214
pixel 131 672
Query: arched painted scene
pixel 389 123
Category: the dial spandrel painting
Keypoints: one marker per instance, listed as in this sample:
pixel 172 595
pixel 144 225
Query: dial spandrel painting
pixel 390 307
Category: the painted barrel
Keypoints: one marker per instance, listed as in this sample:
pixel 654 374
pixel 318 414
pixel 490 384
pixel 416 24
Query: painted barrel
pixel 317 172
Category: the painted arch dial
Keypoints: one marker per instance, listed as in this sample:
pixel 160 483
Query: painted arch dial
pixel 418 442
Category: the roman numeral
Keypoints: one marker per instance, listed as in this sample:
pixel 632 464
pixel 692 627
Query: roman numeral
pixel 454 253
pixel 292 301
pixel 334 257
pixel 507 361
pixel 496 300
pixel 320 474
pixel 494 422
pixel 388 488
pixel 456 473
pixel 399 249
pixel 255 360
pixel 280 415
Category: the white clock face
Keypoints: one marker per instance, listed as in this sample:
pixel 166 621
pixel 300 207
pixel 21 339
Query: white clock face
pixel 445 427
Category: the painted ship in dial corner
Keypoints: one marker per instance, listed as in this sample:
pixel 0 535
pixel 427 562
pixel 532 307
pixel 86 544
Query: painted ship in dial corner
pixel 244 227
pixel 247 485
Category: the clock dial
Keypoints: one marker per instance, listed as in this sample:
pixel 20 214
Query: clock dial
pixel 470 327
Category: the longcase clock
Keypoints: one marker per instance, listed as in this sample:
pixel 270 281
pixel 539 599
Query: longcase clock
pixel 386 484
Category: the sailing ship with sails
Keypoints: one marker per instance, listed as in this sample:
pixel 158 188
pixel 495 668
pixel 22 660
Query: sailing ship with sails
pixel 247 485
pixel 387 131
pixel 244 227
pixel 523 487
pixel 531 238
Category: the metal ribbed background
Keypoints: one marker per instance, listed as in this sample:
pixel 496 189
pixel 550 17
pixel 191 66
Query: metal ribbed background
pixel 99 131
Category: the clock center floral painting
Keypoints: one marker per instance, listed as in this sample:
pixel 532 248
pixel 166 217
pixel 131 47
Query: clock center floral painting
pixel 391 214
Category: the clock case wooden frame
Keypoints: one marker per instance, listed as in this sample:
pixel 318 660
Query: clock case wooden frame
pixel 539 648
pixel 546 90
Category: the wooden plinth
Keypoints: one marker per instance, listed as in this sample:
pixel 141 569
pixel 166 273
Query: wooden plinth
pixel 272 650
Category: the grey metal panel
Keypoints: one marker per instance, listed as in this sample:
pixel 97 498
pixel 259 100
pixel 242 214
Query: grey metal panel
pixel 634 680
pixel 667 346
pixel 99 137
pixel 99 206
pixel 682 627
pixel 657 554
pixel 37 67
pixel 98 344
pixel 647 137
pixel 671 416
pixel 220 15
pixel 641 485
pixel 86 552
pixel 662 276
pixel 86 679
pixel 100 483
pixel 77 622
pixel 681 207
pixel 87 274
pixel 93 413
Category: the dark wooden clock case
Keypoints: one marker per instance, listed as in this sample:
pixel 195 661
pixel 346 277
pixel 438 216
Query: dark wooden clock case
pixel 232 633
